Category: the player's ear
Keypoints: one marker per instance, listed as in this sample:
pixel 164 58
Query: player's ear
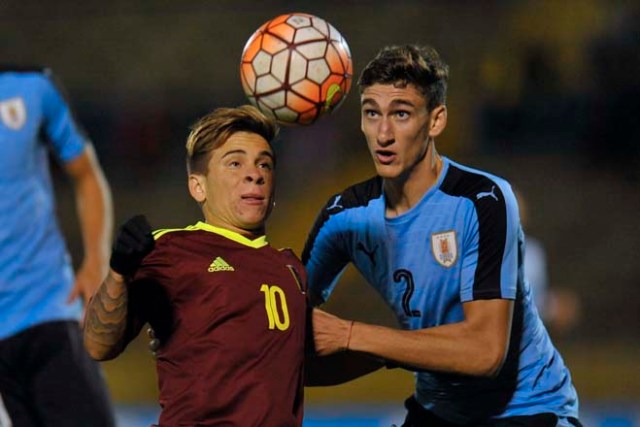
pixel 437 121
pixel 198 187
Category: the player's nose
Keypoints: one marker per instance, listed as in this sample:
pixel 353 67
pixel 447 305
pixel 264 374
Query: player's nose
pixel 385 132
pixel 254 174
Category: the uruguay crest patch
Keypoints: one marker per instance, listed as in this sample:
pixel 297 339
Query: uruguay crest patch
pixel 13 113
pixel 445 248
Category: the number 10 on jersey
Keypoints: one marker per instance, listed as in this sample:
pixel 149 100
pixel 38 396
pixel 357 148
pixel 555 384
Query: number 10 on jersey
pixel 275 304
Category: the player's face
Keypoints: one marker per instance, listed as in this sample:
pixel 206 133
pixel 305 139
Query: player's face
pixel 237 192
pixel 396 124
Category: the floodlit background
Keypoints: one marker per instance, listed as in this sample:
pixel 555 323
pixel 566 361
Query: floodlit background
pixel 544 93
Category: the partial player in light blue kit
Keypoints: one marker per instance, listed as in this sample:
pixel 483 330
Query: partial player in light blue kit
pixel 443 245
pixel 46 377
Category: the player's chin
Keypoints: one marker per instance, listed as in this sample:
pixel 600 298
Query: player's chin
pixel 388 171
pixel 255 218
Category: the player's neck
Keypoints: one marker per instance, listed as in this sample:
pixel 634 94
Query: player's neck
pixel 250 234
pixel 404 192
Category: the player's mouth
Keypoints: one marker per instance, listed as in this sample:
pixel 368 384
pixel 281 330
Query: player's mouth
pixel 253 199
pixel 385 157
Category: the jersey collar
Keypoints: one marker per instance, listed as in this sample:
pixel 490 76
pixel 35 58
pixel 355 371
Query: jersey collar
pixel 232 235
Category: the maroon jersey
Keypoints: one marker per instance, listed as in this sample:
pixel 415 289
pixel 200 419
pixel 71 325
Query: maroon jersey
pixel 230 313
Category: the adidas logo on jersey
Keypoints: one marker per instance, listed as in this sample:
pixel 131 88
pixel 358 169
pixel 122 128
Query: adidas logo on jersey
pixel 219 264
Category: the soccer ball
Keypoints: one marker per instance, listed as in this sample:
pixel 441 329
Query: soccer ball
pixel 295 68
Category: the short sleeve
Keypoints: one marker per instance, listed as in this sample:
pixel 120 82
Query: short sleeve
pixel 490 255
pixel 62 131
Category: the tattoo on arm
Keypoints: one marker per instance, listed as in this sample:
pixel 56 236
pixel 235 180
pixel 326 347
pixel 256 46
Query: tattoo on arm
pixel 106 320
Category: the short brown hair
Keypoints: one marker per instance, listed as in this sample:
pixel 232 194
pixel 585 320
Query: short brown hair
pixel 409 64
pixel 213 130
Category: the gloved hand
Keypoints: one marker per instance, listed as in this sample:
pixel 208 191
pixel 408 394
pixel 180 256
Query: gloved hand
pixel 133 242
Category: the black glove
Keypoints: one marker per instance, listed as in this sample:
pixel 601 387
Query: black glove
pixel 133 242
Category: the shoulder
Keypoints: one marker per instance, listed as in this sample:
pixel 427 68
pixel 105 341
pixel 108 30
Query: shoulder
pixel 24 69
pixel 35 79
pixel 168 236
pixel 26 72
pixel 356 196
pixel 289 255
pixel 359 194
pixel 482 188
pixel 174 243
pixel 342 211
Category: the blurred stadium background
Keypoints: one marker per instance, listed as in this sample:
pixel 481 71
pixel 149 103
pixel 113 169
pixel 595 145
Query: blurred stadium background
pixel 544 93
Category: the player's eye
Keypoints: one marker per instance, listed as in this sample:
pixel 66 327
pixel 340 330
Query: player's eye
pixel 370 113
pixel 233 164
pixel 401 114
pixel 266 165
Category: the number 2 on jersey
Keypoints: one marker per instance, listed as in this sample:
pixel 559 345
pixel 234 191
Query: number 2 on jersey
pixel 398 275
pixel 273 297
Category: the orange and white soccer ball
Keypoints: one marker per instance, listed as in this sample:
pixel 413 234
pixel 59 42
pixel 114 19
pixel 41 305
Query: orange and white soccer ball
pixel 296 67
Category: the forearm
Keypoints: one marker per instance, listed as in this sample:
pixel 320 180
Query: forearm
pixel 455 348
pixel 95 213
pixel 105 321
pixel 477 345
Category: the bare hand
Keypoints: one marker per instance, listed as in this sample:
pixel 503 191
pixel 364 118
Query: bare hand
pixel 331 334
pixel 88 278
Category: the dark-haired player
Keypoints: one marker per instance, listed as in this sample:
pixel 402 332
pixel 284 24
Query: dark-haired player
pixel 228 308
pixel 443 245
pixel 46 376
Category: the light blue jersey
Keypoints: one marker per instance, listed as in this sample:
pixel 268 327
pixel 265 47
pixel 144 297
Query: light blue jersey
pixel 462 242
pixel 36 276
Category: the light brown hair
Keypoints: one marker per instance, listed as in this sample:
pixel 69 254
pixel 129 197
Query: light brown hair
pixel 213 130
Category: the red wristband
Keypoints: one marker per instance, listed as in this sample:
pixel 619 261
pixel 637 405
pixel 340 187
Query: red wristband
pixel 349 334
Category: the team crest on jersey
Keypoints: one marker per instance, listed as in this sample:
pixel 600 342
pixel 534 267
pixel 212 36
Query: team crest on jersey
pixel 445 248
pixel 13 113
